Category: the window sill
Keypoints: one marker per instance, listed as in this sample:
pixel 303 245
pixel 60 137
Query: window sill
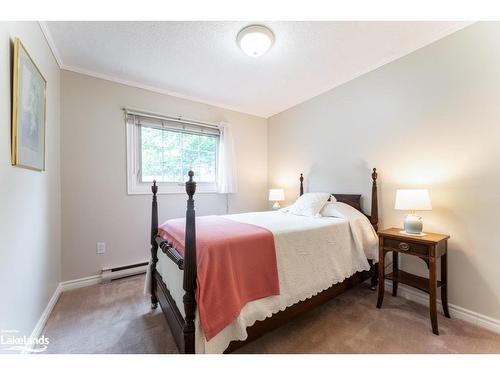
pixel 169 192
pixel 145 189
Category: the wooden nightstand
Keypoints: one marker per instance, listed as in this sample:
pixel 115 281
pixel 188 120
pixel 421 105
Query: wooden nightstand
pixel 429 248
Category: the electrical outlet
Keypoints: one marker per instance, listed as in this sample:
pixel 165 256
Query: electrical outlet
pixel 101 247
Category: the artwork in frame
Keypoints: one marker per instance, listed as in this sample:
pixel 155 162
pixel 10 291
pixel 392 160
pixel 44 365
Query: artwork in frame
pixel 28 111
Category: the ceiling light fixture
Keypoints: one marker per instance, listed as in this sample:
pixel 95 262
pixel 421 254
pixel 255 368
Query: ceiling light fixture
pixel 255 40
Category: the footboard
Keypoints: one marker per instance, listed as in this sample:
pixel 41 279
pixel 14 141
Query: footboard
pixel 186 340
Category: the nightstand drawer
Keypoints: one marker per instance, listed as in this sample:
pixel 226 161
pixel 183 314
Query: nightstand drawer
pixel 406 246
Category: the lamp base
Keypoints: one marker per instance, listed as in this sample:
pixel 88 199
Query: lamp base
pixel 413 224
pixel 276 205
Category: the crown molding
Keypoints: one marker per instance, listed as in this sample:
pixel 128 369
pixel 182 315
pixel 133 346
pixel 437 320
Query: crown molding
pixel 142 86
pixel 50 42
pixel 46 32
pixel 126 82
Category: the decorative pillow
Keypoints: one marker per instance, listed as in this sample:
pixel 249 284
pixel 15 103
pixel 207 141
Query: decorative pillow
pixel 341 210
pixel 309 204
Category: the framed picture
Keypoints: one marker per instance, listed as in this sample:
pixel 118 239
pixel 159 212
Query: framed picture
pixel 28 111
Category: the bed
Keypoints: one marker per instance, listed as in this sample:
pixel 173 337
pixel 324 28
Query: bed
pixel 327 246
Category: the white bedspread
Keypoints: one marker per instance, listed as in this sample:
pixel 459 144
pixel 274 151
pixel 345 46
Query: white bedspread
pixel 312 255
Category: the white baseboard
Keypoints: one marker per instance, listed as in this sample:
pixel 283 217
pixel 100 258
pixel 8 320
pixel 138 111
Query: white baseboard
pixel 62 287
pixel 80 283
pixel 40 325
pixel 458 312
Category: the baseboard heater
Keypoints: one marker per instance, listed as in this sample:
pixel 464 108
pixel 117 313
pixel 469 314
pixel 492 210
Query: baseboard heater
pixel 123 271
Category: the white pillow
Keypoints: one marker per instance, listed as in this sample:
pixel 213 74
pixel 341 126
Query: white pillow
pixel 341 210
pixel 309 204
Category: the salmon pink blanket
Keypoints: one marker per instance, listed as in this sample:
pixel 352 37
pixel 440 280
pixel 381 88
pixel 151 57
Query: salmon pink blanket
pixel 236 265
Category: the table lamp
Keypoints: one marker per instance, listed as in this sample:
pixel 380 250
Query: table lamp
pixel 276 195
pixel 413 200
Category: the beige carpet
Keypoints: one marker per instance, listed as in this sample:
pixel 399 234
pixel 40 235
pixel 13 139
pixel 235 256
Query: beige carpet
pixel 115 318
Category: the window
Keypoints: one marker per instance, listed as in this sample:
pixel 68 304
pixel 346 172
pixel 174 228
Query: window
pixel 168 155
pixel 166 151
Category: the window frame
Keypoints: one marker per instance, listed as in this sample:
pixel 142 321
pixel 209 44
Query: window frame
pixel 134 165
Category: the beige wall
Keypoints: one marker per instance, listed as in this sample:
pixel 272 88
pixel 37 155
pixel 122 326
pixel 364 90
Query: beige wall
pixel 430 119
pixel 30 205
pixel 96 206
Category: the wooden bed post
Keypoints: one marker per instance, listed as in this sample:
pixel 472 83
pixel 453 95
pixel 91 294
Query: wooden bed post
pixel 189 282
pixel 374 211
pixel 154 245
pixel 374 221
pixel 301 184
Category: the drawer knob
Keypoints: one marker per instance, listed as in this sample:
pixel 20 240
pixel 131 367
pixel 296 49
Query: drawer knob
pixel 404 246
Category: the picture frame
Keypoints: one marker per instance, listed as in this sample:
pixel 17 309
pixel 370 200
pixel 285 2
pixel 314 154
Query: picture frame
pixel 29 111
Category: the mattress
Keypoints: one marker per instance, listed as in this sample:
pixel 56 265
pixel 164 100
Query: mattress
pixel 313 253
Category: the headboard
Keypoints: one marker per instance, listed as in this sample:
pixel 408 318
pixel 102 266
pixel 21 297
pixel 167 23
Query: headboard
pixel 354 200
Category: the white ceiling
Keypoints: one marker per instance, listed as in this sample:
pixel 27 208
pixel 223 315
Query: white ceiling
pixel 201 61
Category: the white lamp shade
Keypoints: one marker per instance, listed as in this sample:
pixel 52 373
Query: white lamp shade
pixel 413 200
pixel 276 195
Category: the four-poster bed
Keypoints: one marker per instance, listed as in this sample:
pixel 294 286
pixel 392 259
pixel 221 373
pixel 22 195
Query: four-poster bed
pixel 183 326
